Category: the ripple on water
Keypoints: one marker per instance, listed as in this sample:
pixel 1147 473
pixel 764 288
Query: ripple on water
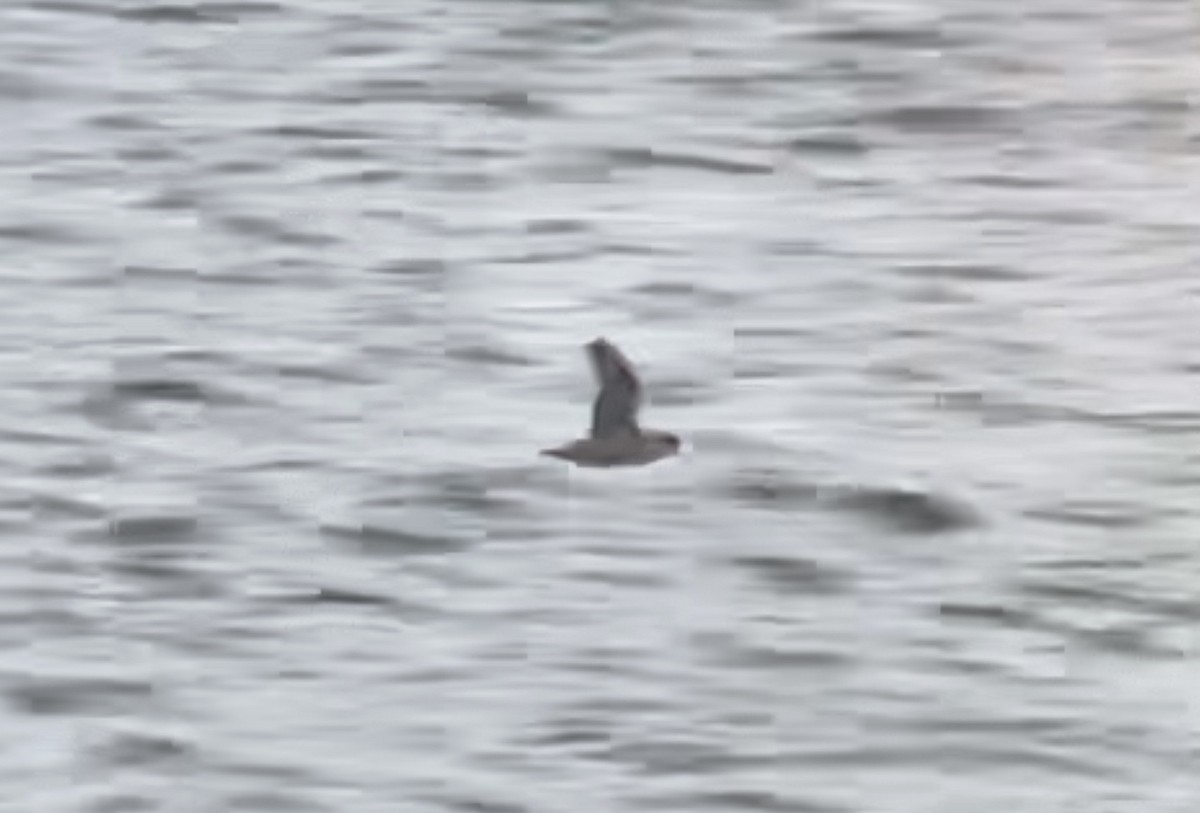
pixel 793 575
pixel 557 225
pixel 963 271
pixel 429 268
pixel 49 507
pixel 769 657
pixel 465 803
pixel 331 372
pixel 938 119
pixel 142 528
pixel 917 37
pixel 122 802
pixel 393 540
pixel 688 293
pixel 136 389
pixel 738 801
pixel 648 158
pixel 647 755
pixel 1114 514
pixel 123 749
pixel 319 132
pixel 621 577
pixel 1097 594
pixel 210 12
pixel 164 575
pixel 356 597
pixel 1084 612
pixel 992 613
pixel 906 510
pixel 275 230
pixel 487 354
pixel 76 696
pixel 909 511
pixel 828 145
pixel 273 801
pixel 43 233
pixel 516 103
pixel 133 402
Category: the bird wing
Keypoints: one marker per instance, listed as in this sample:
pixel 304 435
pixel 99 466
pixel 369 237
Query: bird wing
pixel 614 413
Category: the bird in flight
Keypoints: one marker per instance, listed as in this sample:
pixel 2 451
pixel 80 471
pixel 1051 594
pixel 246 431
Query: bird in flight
pixel 616 439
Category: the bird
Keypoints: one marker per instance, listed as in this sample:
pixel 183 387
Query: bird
pixel 615 438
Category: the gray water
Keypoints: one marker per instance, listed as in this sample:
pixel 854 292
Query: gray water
pixel 294 291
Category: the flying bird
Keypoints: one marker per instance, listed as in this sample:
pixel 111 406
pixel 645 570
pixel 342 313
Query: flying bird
pixel 616 439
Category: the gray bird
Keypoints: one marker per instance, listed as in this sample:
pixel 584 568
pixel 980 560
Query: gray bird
pixel 616 439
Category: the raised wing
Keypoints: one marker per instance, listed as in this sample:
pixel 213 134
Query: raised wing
pixel 614 412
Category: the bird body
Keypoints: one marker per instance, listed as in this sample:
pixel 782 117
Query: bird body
pixel 616 439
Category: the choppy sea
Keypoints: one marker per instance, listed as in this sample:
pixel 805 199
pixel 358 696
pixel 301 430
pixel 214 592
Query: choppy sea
pixel 293 292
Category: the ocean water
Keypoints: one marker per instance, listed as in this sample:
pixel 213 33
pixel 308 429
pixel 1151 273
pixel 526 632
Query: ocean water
pixel 294 291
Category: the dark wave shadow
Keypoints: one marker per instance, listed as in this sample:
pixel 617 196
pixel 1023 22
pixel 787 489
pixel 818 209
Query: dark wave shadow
pixel 357 598
pixel 197 13
pixel 791 575
pixel 910 511
pixel 900 509
pixel 395 541
pixel 124 749
pixel 148 528
pixel 74 696
pixel 648 158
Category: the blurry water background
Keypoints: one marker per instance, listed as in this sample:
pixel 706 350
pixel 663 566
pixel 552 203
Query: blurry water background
pixel 294 291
